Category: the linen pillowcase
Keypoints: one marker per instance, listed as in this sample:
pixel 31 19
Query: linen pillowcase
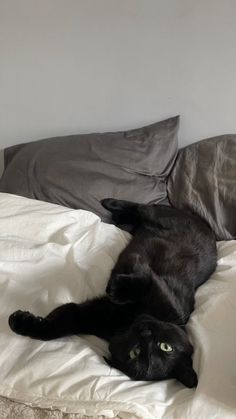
pixel 204 180
pixel 78 171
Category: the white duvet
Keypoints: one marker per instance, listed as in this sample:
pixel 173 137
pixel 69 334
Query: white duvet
pixel 50 255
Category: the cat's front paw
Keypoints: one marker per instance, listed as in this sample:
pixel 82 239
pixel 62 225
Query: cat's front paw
pixel 120 289
pixel 128 288
pixel 23 322
pixel 117 293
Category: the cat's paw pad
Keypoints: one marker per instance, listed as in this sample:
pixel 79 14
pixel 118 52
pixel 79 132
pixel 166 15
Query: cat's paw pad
pixel 22 322
pixel 128 288
pixel 119 291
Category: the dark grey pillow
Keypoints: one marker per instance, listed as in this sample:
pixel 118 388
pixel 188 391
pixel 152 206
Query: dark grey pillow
pixel 204 180
pixel 79 170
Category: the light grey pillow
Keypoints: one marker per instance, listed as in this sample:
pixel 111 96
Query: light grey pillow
pixel 78 171
pixel 204 180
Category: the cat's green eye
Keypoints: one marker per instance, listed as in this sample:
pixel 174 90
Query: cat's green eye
pixel 134 353
pixel 165 347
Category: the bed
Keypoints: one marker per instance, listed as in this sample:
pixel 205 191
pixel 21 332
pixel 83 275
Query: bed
pixel 51 254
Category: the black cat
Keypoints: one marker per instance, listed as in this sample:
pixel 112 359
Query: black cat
pixel 150 295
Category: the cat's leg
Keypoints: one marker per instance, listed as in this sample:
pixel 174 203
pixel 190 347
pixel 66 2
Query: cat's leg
pixel 99 317
pixel 127 212
pixel 162 217
pixel 158 216
pixel 60 322
pixel 123 212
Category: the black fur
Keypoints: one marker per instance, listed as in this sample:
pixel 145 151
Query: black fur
pixel 150 295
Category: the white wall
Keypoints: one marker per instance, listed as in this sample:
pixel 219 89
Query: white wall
pixel 70 66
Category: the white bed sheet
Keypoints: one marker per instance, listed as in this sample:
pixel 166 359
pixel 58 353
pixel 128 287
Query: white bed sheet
pixel 50 255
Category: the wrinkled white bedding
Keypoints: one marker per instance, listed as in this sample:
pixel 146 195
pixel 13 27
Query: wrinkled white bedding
pixel 50 255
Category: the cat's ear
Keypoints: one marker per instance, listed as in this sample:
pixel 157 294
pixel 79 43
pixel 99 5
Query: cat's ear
pixel 108 361
pixel 111 363
pixel 186 375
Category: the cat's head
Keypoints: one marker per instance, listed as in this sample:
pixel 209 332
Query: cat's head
pixel 153 350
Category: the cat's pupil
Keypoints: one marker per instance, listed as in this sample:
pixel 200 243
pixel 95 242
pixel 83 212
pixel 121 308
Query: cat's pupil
pixel 165 347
